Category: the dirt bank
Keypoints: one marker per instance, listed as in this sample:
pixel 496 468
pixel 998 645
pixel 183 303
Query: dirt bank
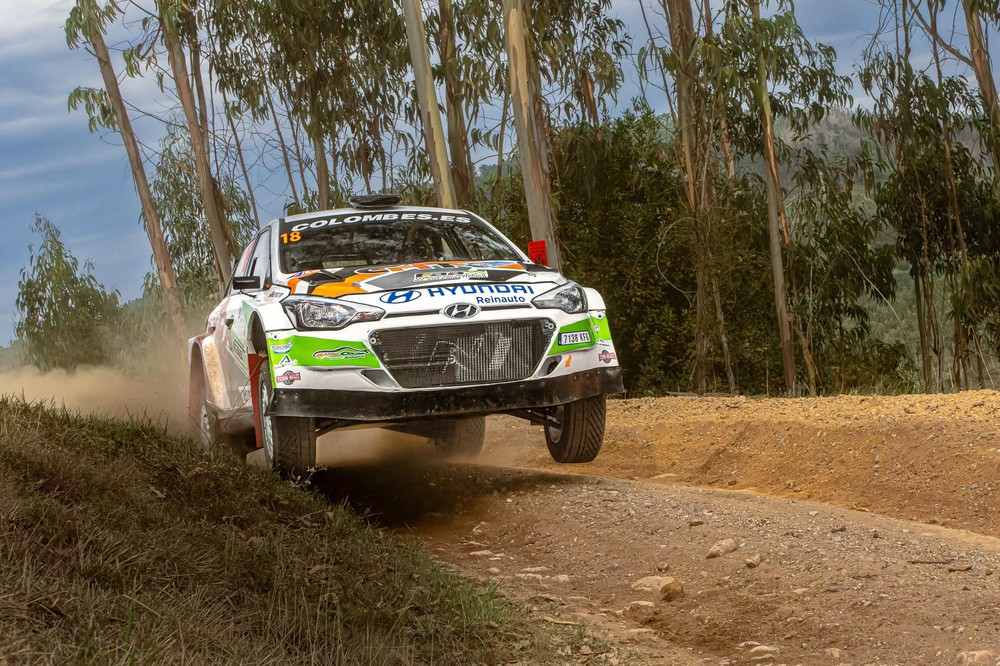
pixel 933 459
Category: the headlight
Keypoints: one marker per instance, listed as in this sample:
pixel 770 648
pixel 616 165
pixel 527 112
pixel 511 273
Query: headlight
pixel 568 298
pixel 326 314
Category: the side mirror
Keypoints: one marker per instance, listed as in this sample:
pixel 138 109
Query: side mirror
pixel 246 283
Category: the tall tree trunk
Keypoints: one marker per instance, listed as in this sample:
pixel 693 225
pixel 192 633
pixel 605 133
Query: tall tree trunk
pixel 724 138
pixel 239 154
pixel 316 134
pixel 151 218
pixel 659 60
pixel 532 151
pixel 322 168
pixel 430 114
pixel 927 369
pixel 695 159
pixel 927 270
pixel 956 234
pixel 462 171
pixel 284 152
pixel 723 337
pixel 979 51
pixel 223 245
pixel 775 215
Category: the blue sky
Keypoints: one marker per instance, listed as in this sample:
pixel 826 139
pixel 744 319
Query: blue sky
pixel 51 164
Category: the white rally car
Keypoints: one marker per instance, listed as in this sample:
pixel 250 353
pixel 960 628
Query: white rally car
pixel 421 320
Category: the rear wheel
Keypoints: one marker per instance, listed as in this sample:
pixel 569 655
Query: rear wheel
pixel 580 433
pixel 460 438
pixel 289 441
pixel 205 427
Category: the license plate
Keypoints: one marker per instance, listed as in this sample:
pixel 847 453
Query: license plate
pixel 579 338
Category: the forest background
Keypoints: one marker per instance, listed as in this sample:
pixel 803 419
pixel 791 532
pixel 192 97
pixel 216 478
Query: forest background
pixel 763 234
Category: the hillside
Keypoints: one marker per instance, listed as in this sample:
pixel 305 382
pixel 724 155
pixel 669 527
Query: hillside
pixel 119 544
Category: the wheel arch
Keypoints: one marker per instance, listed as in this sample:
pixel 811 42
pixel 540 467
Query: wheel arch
pixel 204 375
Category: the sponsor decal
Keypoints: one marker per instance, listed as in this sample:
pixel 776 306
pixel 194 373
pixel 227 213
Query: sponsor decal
pixel 377 217
pixel 342 354
pixel 569 360
pixel 285 361
pixel 578 338
pixel 431 265
pixel 504 293
pixel 607 357
pixel 461 311
pixel 473 289
pixel 500 300
pixel 400 297
pixel 282 349
pixel 288 378
pixel 454 275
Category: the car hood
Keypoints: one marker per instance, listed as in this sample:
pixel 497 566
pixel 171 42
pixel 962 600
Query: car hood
pixel 335 283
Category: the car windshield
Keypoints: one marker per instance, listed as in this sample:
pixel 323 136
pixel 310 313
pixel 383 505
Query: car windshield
pixel 343 243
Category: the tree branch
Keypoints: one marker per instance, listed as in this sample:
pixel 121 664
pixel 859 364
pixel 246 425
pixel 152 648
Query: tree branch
pixel 937 38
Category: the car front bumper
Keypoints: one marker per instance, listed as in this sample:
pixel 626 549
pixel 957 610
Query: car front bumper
pixel 384 406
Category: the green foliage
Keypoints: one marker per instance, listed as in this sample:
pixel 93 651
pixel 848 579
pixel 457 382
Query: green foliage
pixel 62 310
pixel 182 216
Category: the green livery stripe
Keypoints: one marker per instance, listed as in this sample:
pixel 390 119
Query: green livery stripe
pixel 601 327
pixel 582 326
pixel 307 351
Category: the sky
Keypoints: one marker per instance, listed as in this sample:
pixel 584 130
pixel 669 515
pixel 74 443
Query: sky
pixel 52 165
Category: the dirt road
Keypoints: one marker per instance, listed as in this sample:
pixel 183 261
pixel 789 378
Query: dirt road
pixel 851 530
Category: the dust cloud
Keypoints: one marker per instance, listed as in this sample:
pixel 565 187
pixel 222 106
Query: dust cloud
pixel 369 447
pixel 163 398
pixel 102 390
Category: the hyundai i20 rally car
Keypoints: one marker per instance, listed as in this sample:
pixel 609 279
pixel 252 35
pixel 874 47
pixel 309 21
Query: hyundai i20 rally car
pixel 421 320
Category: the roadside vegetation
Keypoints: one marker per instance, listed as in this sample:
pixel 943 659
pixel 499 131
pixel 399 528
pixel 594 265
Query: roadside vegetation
pixel 121 544
pixel 706 168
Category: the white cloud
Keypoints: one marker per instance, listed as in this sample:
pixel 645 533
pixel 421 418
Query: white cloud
pixel 27 168
pixel 29 26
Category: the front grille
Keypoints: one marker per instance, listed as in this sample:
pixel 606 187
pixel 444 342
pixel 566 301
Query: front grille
pixel 458 354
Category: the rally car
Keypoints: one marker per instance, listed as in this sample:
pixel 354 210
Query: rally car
pixel 421 320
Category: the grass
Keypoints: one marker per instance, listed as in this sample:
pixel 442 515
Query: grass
pixel 121 544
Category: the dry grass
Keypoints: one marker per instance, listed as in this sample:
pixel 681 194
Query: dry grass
pixel 120 544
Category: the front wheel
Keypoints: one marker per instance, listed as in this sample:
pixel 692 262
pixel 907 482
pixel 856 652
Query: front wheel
pixel 289 441
pixel 580 433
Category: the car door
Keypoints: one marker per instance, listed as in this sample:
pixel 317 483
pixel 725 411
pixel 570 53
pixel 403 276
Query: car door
pixel 240 306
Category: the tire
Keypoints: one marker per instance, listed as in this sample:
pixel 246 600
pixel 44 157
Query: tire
pixel 460 438
pixel 289 441
pixel 579 438
pixel 205 427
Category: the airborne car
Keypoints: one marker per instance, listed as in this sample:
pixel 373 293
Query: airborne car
pixel 422 320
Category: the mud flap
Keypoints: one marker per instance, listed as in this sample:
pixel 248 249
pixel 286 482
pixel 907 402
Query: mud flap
pixel 255 362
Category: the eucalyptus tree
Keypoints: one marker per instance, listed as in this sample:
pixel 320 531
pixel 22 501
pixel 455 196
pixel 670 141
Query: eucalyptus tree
pixel 469 43
pixel 85 28
pixel 430 115
pixel 835 266
pixel 177 25
pixel 696 135
pixel 927 185
pixel 563 64
pixel 339 68
pixel 768 70
pixel 533 148
pixel 176 194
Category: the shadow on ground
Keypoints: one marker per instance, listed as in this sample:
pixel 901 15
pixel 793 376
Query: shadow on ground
pixel 408 494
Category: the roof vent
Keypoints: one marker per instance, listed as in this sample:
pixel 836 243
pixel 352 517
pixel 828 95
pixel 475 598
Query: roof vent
pixel 375 200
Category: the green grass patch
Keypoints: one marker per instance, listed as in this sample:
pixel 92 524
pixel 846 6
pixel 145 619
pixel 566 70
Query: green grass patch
pixel 119 543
